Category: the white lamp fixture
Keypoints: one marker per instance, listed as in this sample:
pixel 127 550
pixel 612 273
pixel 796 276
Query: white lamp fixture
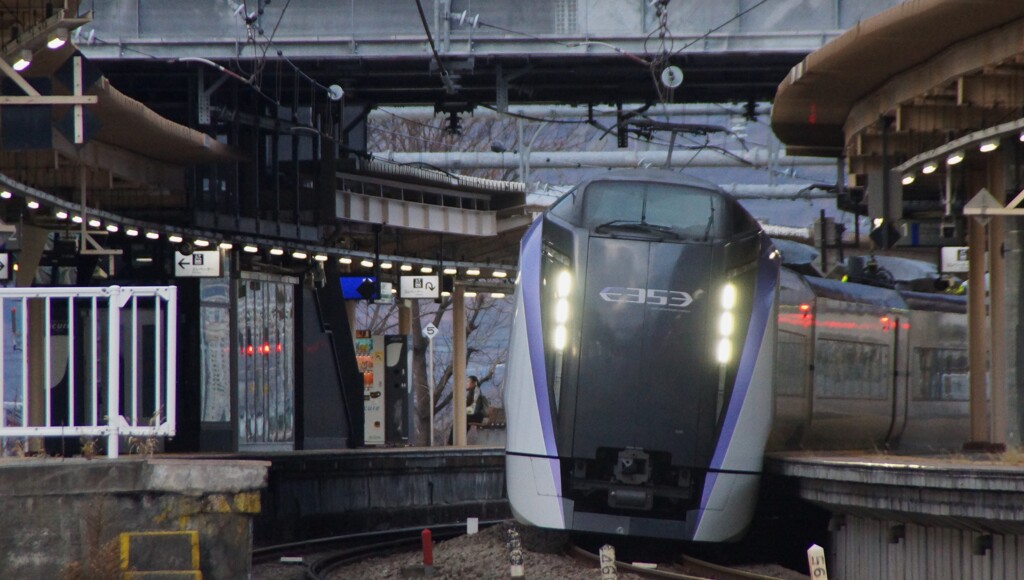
pixel 473 272
pixel 366 263
pixel 500 274
pixel 450 271
pixel 57 39
pixel 385 265
pixel 32 204
pixel 131 232
pixel 426 269
pixel 908 178
pixel 344 260
pixel 175 239
pixel 152 235
pixel 955 157
pixel 112 228
pixel 250 248
pixel 989 146
pixel 94 223
pixel 405 267
pixel 299 255
pixel 276 252
pixel 6 194
pixel 320 257
pixel 929 168
pixel 226 245
pixel 61 215
pixel 201 243
pixel 22 60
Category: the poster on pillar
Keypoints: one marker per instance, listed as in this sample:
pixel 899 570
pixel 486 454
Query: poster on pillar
pixel 370 358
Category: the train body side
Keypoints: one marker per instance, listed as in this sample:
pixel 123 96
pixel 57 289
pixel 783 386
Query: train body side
pixel 861 367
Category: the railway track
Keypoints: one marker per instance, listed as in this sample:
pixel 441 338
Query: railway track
pixel 688 568
pixel 319 559
pixel 321 556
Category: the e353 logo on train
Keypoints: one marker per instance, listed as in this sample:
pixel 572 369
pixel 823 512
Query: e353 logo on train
pixel 651 296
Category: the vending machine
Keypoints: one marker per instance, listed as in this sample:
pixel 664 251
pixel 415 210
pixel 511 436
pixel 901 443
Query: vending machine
pixel 370 358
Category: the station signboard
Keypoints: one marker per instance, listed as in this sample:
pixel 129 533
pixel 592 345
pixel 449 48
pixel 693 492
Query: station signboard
pixel 419 287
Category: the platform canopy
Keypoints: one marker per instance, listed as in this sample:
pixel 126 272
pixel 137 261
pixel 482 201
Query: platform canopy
pixel 925 72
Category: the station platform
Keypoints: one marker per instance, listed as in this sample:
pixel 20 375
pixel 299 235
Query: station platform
pixel 95 518
pixel 907 517
pixel 63 515
pixel 312 494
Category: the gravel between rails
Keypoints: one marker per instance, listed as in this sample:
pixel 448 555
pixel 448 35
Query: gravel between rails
pixel 480 556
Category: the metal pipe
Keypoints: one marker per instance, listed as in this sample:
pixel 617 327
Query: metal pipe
pixel 585 159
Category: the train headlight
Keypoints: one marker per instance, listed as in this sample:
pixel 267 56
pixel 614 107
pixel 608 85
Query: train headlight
pixel 561 311
pixel 726 324
pixel 728 297
pixel 724 351
pixel 563 285
pixel 560 336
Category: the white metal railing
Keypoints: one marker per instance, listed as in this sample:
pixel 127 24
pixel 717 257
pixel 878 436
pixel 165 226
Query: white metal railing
pixel 88 362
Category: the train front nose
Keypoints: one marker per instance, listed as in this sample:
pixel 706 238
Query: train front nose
pixel 644 361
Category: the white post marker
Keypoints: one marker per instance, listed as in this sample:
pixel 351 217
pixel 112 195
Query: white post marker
pixel 816 562
pixel 607 559
pixel 429 332
pixel 472 526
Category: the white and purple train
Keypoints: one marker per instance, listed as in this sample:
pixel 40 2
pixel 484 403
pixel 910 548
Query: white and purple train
pixel 659 346
pixel 639 389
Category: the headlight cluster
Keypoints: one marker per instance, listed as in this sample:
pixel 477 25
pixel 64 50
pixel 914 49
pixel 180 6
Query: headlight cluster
pixel 726 324
pixel 563 285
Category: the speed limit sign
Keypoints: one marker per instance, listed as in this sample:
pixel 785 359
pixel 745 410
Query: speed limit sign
pixel 429 331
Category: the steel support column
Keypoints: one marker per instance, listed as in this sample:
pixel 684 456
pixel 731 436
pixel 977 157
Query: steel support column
pixel 459 358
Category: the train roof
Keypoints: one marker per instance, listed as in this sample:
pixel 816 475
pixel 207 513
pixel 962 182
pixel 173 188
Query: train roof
pixel 653 175
pixel 859 293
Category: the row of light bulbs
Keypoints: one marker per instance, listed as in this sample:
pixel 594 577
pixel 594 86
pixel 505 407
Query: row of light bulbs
pixel 23 57
pixel 249 248
pixel 954 158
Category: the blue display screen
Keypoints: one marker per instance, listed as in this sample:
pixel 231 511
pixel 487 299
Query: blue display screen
pixel 360 288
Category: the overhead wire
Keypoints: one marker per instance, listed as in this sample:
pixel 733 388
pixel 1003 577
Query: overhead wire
pixel 445 77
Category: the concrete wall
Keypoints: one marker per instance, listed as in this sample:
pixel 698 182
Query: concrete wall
pixel 58 515
pixel 315 494
pixel 877 549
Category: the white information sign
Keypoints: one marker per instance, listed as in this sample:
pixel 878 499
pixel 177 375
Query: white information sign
pixel 419 287
pixel 429 331
pixel 204 264
pixel 954 259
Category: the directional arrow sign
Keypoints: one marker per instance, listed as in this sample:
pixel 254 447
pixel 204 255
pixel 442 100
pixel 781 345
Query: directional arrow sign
pixel 204 264
pixel 5 272
pixel 419 287
pixel 430 331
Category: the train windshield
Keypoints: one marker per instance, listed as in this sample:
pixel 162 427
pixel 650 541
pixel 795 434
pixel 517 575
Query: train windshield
pixel 657 209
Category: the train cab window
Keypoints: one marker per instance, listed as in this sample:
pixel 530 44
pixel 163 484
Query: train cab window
pixel 656 208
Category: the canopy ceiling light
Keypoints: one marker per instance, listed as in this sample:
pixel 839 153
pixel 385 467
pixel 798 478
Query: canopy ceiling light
pixel 57 39
pixel 955 157
pixel 989 146
pixel 908 178
pixel 929 168
pixel 22 59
